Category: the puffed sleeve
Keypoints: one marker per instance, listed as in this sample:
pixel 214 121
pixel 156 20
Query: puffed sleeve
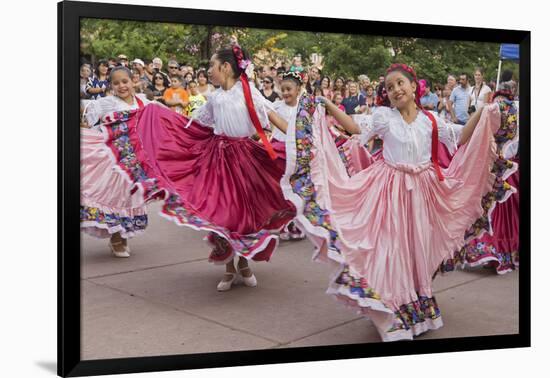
pixel 204 115
pixel 95 110
pixel 449 133
pixel 375 125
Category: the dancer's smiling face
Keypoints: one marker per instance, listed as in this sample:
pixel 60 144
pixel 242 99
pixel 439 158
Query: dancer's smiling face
pixel 122 84
pixel 400 89
pixel 290 90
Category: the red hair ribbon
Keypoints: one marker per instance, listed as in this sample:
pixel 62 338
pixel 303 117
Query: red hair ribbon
pixel 418 95
pixel 242 63
pixel 254 117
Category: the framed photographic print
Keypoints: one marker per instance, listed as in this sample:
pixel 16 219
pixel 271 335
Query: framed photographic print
pixel 235 168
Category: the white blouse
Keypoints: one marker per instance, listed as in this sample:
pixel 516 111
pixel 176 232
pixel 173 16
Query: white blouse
pixel 227 113
pixel 479 100
pixel 288 113
pixel 408 143
pixel 97 109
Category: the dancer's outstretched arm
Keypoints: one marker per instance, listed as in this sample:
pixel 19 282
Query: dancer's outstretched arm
pixel 277 121
pixel 342 118
pixel 470 126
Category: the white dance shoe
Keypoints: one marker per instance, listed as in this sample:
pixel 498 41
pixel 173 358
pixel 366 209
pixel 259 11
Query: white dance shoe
pixel 226 285
pixel 125 253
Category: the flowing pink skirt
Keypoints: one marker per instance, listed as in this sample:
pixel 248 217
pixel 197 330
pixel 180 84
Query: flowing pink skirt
pixel 106 204
pixel 228 186
pixel 389 227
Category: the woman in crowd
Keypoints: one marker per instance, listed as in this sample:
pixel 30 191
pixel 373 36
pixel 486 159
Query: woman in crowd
pixel 267 90
pixel 204 86
pixel 159 86
pixel 97 86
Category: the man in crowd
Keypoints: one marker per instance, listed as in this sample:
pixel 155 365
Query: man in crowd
pixel 138 66
pixel 429 100
pixel 315 76
pixel 381 79
pixel 173 68
pixel 122 60
pixel 148 72
pixel 460 100
pixel 157 64
pixel 451 82
pixel 113 62
pixel 364 83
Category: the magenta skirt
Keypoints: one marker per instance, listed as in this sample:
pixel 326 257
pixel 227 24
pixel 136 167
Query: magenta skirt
pixel 499 249
pixel 228 186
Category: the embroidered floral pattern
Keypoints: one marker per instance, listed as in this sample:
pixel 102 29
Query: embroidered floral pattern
pixel 124 150
pixel 130 224
pixel 244 245
pixel 408 314
pixel 475 254
pixel 301 181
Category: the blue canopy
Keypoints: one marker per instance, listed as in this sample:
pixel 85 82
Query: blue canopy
pixel 509 52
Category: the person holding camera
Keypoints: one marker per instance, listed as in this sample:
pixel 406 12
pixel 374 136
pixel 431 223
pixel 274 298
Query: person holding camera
pixel 460 101
pixel 480 93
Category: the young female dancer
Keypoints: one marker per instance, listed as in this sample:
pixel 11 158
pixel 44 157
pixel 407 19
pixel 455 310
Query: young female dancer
pixel 212 175
pixel 499 249
pixel 107 208
pixel 291 89
pixel 391 225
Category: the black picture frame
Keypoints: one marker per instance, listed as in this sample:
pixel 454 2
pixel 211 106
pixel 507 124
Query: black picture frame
pixel 69 361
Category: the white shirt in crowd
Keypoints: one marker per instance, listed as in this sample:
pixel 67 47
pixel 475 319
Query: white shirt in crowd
pixel 479 99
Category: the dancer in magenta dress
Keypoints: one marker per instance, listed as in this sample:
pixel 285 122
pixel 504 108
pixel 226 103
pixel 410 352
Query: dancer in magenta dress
pixel 107 207
pixel 210 173
pixel 390 226
pixel 499 249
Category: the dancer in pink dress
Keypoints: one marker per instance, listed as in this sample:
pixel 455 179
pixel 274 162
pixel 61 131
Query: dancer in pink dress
pixel 390 226
pixel 211 174
pixel 107 208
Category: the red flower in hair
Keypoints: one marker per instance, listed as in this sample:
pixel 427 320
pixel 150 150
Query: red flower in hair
pixel 397 66
pixel 239 56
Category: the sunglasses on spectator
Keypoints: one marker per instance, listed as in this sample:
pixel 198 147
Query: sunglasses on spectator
pixel 159 78
pixel 173 68
pixel 267 82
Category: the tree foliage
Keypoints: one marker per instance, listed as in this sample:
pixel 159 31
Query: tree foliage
pixel 343 54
